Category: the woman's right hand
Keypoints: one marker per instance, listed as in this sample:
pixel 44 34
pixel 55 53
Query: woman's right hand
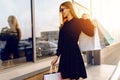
pixel 53 62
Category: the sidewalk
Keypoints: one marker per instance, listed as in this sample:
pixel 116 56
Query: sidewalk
pixel 100 72
pixel 33 70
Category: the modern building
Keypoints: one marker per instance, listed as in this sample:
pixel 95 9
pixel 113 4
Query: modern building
pixel 50 35
pixel 32 15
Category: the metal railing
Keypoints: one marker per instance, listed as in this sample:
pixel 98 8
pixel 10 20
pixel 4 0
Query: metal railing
pixel 116 73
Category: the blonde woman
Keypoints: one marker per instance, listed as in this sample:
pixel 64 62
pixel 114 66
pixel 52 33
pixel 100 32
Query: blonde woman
pixel 71 65
pixel 13 38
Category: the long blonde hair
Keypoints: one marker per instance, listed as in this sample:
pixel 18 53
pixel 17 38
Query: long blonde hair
pixel 70 6
pixel 16 25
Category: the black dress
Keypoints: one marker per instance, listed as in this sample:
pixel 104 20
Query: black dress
pixel 71 64
pixel 11 46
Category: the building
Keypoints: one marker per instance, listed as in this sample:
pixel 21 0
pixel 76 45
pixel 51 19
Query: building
pixel 50 35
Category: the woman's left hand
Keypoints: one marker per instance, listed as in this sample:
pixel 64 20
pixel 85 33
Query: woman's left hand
pixel 53 62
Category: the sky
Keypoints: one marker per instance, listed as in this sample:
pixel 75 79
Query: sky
pixel 47 14
pixel 19 8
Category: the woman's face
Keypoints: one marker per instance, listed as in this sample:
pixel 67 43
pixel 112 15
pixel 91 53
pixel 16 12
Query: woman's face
pixel 11 21
pixel 64 11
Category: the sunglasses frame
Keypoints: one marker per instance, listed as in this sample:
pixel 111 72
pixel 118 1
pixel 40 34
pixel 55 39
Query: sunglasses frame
pixel 62 9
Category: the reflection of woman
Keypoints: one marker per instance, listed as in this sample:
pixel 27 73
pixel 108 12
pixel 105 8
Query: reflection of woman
pixel 14 35
pixel 71 64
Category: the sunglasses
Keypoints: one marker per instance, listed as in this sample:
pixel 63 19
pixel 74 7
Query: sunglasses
pixel 62 9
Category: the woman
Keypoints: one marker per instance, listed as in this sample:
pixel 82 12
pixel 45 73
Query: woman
pixel 13 38
pixel 71 65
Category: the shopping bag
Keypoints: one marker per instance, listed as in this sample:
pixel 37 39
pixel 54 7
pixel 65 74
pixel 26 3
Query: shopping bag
pixel 52 75
pixel 106 36
pixel 87 43
pixel 100 40
pixel 103 41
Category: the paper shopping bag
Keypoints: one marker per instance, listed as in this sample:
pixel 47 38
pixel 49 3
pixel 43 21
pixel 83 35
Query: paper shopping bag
pixel 107 37
pixel 53 75
pixel 87 43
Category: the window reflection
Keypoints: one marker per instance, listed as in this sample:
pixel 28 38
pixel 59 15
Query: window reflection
pixel 47 27
pixel 15 33
pixel 12 37
pixel 80 8
pixel 46 45
pixel 84 3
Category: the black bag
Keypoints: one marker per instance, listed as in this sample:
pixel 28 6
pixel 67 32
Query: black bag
pixel 6 34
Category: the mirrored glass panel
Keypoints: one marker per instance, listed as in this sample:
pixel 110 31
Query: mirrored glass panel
pixel 15 32
pixel 84 3
pixel 82 7
pixel 47 27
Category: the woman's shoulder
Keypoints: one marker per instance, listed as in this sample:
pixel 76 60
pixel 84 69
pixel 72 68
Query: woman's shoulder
pixel 85 21
pixel 78 21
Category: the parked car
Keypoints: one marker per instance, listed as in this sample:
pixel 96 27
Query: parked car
pixel 45 48
pixel 24 44
pixel 25 49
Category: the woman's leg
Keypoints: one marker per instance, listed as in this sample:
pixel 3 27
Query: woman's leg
pixel 5 53
pixel 15 50
pixel 77 79
pixel 81 79
pixel 11 58
pixel 67 79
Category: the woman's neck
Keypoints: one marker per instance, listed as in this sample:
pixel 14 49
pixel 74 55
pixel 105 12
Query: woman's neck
pixel 69 17
pixel 12 28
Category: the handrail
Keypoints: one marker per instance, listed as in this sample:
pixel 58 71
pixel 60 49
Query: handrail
pixel 116 73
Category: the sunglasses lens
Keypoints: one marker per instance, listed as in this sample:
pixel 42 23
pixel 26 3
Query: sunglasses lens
pixel 61 10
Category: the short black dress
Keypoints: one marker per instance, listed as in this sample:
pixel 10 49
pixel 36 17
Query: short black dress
pixel 71 64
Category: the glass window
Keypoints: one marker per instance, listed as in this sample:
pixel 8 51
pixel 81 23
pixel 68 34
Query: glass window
pixel 81 7
pixel 15 32
pixel 47 27
pixel 85 3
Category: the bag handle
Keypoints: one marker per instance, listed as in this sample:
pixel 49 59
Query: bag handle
pixel 53 68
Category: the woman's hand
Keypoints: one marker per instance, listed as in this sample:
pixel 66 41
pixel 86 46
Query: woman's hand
pixel 53 62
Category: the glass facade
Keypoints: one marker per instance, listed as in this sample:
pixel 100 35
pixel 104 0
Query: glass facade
pixel 81 9
pixel 29 30
pixel 15 32
pixel 45 33
pixel 39 21
pixel 46 27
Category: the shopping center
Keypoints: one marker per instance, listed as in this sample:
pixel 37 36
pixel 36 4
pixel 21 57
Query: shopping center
pixel 38 25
